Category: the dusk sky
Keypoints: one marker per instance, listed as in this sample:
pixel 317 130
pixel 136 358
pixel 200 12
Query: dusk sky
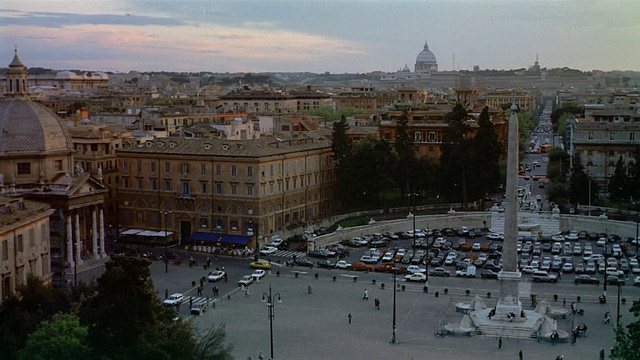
pixel 318 36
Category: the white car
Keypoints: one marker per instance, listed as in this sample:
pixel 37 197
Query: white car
pixel 528 269
pixel 216 275
pixel 389 256
pixel 173 299
pixel 268 250
pixel 413 269
pixel 276 242
pixel 636 282
pixel 343 265
pixel 419 277
pixel 258 274
pixel 246 280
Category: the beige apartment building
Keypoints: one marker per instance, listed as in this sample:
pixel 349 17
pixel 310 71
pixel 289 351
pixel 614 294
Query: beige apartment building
pixel 220 186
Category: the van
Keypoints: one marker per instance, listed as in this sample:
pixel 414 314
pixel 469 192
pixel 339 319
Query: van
pixel 470 271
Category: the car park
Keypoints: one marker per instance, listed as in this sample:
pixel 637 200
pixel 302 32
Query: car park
pixel 586 279
pixel 246 280
pixel 173 299
pixel 216 275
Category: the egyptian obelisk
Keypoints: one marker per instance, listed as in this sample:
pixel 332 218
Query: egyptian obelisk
pixel 509 276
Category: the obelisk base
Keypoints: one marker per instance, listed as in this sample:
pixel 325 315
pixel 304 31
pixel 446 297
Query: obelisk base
pixel 509 302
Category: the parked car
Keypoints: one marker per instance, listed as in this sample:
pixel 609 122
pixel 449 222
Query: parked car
pixel 415 269
pixel 326 264
pixel 528 269
pixel 488 274
pixel 586 279
pixel 636 281
pixel 440 272
pixel 303 262
pixel 543 276
pixel 360 266
pixel 418 277
pixel 342 264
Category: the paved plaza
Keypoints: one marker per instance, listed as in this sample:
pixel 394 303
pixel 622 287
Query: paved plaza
pixel 312 320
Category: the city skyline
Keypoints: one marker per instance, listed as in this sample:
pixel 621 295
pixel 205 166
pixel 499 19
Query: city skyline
pixel 319 36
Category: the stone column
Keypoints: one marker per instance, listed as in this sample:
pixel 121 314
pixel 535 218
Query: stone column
pixel 510 276
pixel 103 252
pixel 69 241
pixel 78 241
pixel 94 233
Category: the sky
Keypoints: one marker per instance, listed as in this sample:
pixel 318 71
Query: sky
pixel 339 36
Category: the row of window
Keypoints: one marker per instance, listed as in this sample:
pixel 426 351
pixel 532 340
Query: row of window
pixel 31 233
pixel 185 168
pixel 186 187
pixel 612 136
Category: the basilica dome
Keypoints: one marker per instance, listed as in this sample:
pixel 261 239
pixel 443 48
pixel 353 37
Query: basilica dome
pixel 27 127
pixel 426 61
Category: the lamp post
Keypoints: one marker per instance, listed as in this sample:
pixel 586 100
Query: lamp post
pixel 165 213
pixel 393 334
pixel 269 298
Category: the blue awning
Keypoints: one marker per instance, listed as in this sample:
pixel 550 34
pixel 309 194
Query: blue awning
pixel 224 239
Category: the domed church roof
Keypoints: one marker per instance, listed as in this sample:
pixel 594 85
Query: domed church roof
pixel 426 56
pixel 27 127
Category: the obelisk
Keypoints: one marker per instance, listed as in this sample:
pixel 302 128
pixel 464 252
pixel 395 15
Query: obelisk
pixel 509 276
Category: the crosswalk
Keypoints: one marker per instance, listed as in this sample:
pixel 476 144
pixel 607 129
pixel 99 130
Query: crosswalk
pixel 197 301
pixel 289 254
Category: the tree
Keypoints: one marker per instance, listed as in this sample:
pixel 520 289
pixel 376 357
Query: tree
pixel 61 338
pixel 485 156
pixel 619 183
pixel 455 158
pixel 22 313
pixel 628 340
pixel 341 147
pixel 558 193
pixel 212 345
pixel 579 184
pixel 126 311
pixel 405 151
pixel 369 171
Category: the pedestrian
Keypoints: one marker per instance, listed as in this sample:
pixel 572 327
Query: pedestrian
pixel 564 302
pixel 520 355
pixel 166 293
pixel 500 342
pixel 377 303
pixel 200 290
pixel 349 316
pixel 601 354
pixel 190 302
pixel 222 267
pixel 366 295
pixel 246 291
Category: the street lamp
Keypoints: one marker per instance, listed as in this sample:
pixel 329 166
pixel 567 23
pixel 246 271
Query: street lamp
pixel 393 334
pixel 270 304
pixel 165 213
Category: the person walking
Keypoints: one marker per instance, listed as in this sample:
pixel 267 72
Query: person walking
pixel 601 354
pixel 166 293
pixel 190 302
pixel 520 355
pixel 377 303
pixel 349 316
pixel 500 342
pixel 366 295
